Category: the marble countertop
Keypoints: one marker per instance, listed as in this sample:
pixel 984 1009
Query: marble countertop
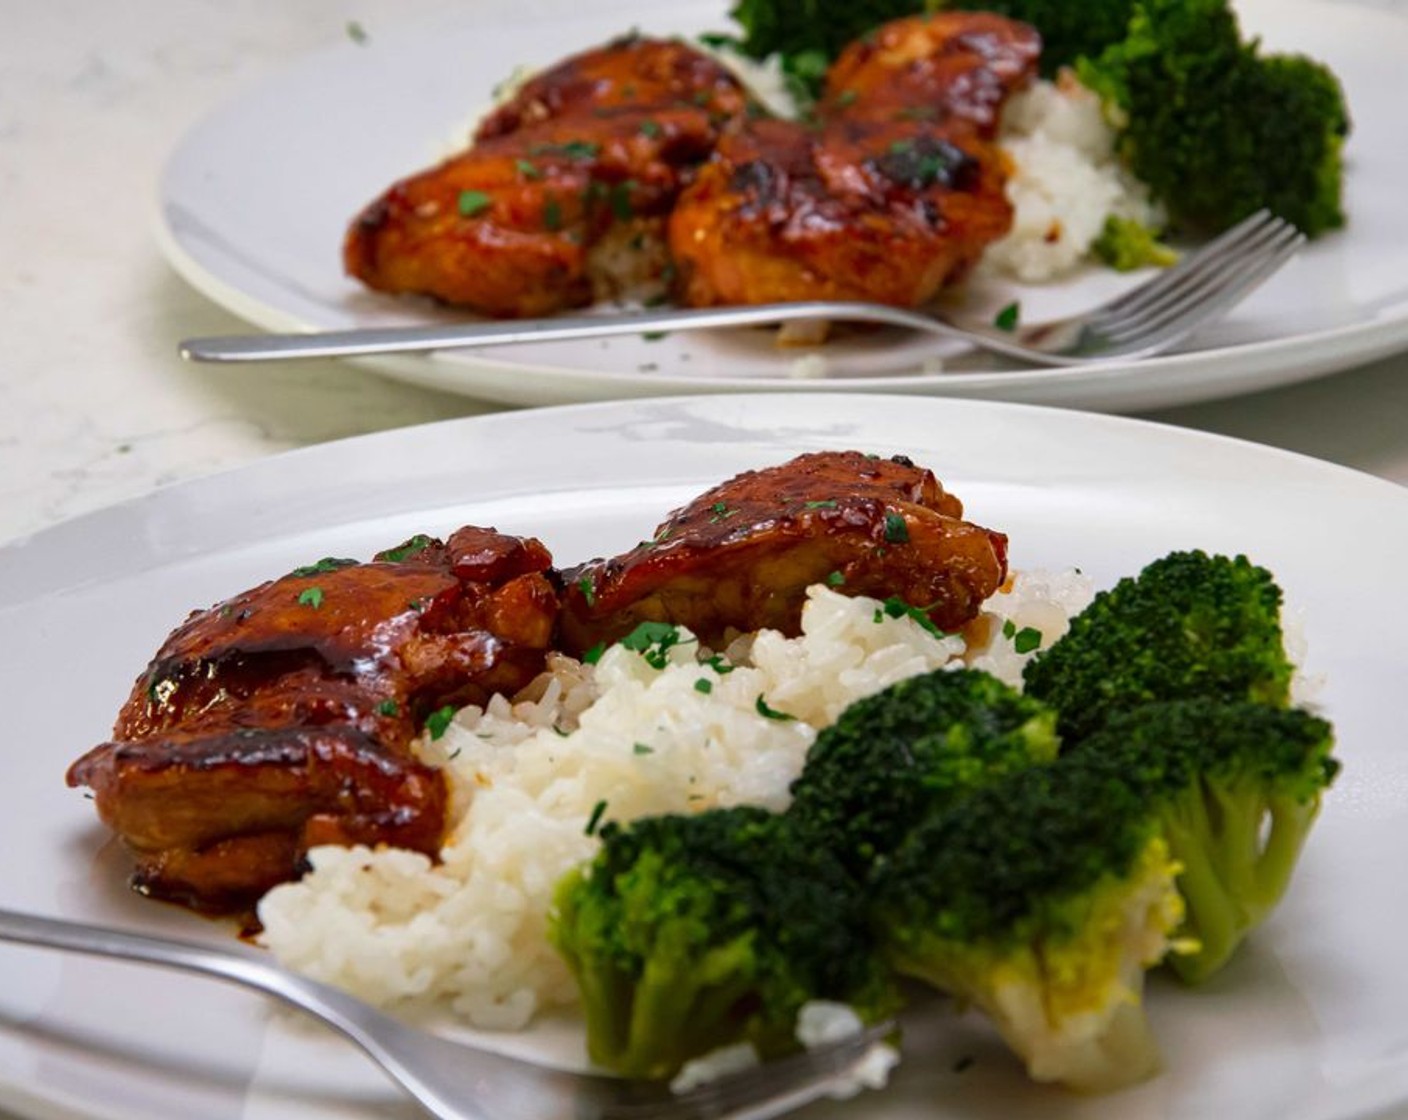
pixel 95 405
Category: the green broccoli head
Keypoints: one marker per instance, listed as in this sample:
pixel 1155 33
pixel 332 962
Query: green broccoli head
pixel 901 753
pixel 1188 625
pixel 1214 128
pixel 1125 244
pixel 1041 900
pixel 1236 788
pixel 807 35
pixel 688 933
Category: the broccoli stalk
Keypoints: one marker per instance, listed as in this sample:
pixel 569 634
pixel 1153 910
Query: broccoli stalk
pixel 1041 900
pixel 1237 788
pixel 895 756
pixel 689 933
pixel 1188 625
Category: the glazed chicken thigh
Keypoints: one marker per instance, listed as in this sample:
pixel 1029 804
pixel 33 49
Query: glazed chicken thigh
pixel 890 194
pixel 282 718
pixel 741 556
pixel 563 195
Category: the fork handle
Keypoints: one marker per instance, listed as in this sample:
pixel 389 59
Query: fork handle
pixel 234 964
pixel 364 341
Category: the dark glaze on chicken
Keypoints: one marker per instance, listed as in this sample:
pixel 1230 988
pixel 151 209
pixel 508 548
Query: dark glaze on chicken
pixel 890 194
pixel 642 168
pixel 284 717
pixel 741 556
pixel 566 181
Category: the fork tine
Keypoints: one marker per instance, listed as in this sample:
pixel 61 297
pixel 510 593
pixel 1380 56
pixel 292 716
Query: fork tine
pixel 1238 284
pixel 767 1090
pixel 1205 282
pixel 1206 258
pixel 1212 293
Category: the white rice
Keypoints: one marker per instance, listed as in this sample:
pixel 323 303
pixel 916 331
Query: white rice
pixel 1065 182
pixel 471 931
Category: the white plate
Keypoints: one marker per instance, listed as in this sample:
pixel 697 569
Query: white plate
pixel 255 199
pixel 1307 1024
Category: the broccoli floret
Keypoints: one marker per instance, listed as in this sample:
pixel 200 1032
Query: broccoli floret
pixel 901 753
pixel 1188 625
pixel 1041 900
pixel 1125 244
pixel 1236 788
pixel 1216 129
pixel 1068 31
pixel 807 35
pixel 692 932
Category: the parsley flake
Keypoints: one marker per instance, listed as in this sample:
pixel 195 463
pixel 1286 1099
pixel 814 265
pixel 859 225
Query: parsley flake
pixel 704 685
pixel 326 564
pixel 1008 317
pixel 588 589
pixel 896 529
pixel 356 32
pixel 598 810
pixel 653 641
pixel 388 708
pixel 438 721
pixel 593 655
pixel 835 579
pixel 418 543
pixel 771 713
pixel 311 597
pixel 474 202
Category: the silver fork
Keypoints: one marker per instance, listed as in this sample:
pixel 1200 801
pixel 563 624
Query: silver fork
pixel 1146 320
pixel 453 1081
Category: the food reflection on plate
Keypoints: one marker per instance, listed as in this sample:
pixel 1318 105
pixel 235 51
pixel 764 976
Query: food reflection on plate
pixel 668 779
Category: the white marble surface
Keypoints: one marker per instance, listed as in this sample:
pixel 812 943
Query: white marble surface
pixel 95 405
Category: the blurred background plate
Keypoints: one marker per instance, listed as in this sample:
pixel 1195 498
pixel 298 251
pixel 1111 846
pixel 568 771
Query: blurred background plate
pixel 254 201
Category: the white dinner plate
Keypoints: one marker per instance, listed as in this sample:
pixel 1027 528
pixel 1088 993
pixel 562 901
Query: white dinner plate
pixel 1307 1024
pixel 255 200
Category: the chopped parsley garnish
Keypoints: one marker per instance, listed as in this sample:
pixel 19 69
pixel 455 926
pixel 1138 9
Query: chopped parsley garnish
pixel 650 128
pixel 896 529
pixel 619 198
pixel 439 720
pixel 704 685
pixel 474 202
pixel 653 641
pixel 653 336
pixel 356 32
pixel 895 607
pixel 572 149
pixel 418 543
pixel 311 597
pixel 771 713
pixel 721 512
pixel 1024 640
pixel 588 589
pixel 326 564
pixel 388 708
pixel 528 169
pixel 598 811
pixel 552 214
pixel 642 748
pixel 829 503
pixel 719 665
pixel 1008 317
pixel 593 655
